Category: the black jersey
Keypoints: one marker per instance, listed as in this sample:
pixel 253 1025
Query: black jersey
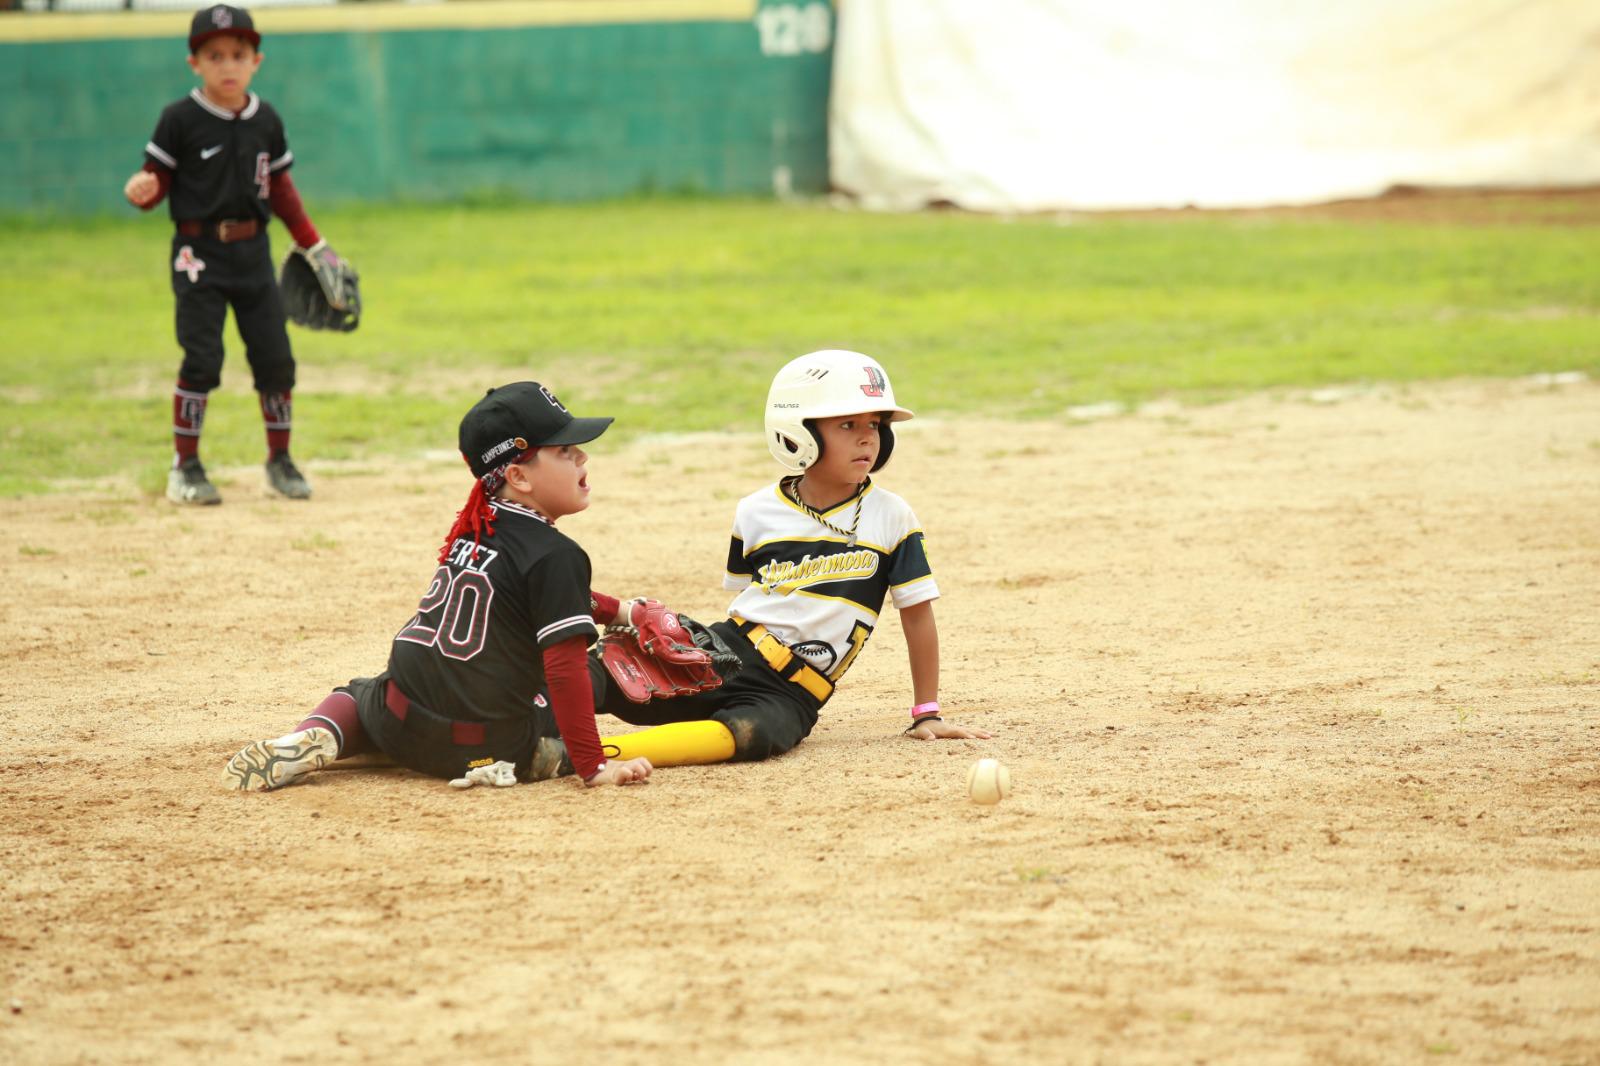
pixel 222 164
pixel 474 649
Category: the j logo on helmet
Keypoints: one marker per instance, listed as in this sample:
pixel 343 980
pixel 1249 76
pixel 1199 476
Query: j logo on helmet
pixel 875 381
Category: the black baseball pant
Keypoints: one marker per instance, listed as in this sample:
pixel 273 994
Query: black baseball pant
pixel 208 277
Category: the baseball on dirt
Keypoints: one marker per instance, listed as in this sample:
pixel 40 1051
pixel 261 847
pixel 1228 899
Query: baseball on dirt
pixel 988 782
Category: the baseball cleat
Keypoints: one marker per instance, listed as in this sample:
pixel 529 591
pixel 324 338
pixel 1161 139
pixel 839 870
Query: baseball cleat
pixel 269 764
pixel 549 760
pixel 284 478
pixel 187 483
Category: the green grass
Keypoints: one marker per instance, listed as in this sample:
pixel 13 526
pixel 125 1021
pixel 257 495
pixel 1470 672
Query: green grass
pixel 673 315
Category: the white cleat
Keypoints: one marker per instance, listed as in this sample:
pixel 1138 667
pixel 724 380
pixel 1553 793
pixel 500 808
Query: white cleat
pixel 270 764
pixel 188 484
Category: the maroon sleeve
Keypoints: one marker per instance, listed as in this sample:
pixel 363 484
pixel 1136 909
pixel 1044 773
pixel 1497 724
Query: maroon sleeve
pixel 566 671
pixel 603 608
pixel 164 176
pixel 285 199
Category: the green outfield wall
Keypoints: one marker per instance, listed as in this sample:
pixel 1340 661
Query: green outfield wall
pixel 543 100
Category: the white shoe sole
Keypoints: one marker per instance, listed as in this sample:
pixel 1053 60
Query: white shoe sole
pixel 178 491
pixel 269 764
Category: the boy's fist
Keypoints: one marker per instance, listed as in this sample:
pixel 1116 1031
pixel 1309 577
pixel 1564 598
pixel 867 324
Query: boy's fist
pixel 141 188
pixel 622 772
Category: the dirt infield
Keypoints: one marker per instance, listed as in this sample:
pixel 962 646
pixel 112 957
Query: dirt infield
pixel 1300 696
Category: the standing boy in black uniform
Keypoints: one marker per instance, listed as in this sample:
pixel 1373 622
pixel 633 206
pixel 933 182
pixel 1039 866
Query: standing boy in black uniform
pixel 492 669
pixel 221 155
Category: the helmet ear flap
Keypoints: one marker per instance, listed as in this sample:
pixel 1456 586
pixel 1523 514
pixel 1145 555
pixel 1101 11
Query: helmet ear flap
pixel 885 445
pixel 796 452
pixel 784 442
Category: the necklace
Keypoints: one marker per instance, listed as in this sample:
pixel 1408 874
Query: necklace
pixel 792 487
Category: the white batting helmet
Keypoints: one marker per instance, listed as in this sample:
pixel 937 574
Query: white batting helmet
pixel 826 384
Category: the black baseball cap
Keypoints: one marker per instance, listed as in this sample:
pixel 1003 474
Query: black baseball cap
pixel 513 418
pixel 218 19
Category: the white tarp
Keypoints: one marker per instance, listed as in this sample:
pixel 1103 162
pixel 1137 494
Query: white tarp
pixel 1027 105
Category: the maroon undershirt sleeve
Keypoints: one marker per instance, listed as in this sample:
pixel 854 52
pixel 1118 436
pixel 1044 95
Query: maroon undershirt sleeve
pixel 605 607
pixel 566 671
pixel 164 176
pixel 285 200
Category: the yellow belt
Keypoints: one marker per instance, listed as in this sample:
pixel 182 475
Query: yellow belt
pixel 782 659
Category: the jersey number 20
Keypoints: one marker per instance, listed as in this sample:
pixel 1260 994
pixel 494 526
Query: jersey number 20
pixel 462 627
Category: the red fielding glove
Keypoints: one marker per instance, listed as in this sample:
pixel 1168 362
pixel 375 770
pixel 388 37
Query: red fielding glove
pixel 642 678
pixel 663 637
pixel 659 658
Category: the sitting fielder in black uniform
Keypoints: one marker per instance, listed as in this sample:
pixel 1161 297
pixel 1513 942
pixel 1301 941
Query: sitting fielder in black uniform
pixel 491 670
pixel 221 156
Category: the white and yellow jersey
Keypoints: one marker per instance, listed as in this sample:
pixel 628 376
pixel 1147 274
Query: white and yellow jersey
pixel 810 586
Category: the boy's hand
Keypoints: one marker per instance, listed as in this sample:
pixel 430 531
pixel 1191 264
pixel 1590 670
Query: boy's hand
pixel 621 772
pixel 940 730
pixel 141 188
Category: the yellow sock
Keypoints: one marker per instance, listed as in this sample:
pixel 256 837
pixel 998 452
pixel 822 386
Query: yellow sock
pixel 675 744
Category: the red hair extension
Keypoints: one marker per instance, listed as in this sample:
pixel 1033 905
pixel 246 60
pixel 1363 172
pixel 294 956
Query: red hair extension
pixel 477 518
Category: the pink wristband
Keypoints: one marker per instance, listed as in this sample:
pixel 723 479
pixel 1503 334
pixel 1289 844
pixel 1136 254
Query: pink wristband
pixel 923 710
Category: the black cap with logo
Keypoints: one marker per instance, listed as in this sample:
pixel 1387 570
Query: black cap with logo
pixel 218 19
pixel 513 418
